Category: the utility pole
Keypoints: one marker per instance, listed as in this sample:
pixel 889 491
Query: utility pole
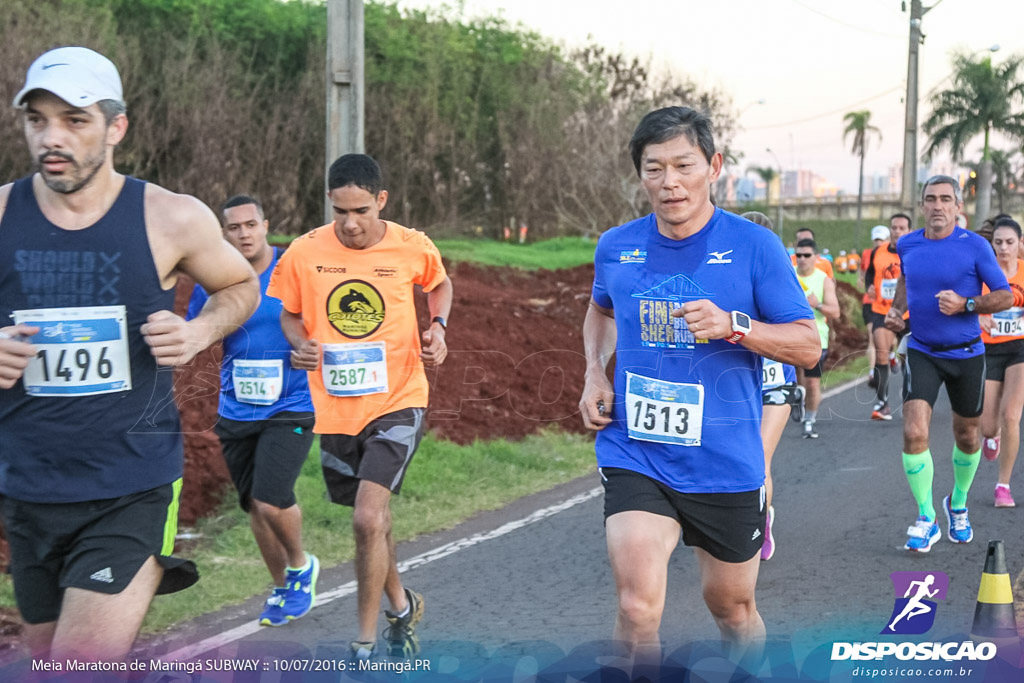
pixel 345 84
pixel 908 195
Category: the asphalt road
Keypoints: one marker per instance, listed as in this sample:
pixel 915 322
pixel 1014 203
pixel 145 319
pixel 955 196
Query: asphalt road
pixel 842 508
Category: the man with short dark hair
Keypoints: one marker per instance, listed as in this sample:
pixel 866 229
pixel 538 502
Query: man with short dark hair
pixel 820 262
pixel 349 315
pixel 91 454
pixel 266 423
pixel 820 291
pixel 687 299
pixel 943 268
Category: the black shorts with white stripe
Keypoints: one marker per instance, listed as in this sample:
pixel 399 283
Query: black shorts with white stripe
pixel 380 453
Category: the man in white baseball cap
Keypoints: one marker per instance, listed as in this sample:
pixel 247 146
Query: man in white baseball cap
pixel 77 75
pixel 91 459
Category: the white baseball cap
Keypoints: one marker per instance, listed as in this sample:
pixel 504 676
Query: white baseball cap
pixel 879 232
pixel 77 75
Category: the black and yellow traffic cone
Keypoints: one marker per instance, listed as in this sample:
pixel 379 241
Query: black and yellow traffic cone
pixel 994 621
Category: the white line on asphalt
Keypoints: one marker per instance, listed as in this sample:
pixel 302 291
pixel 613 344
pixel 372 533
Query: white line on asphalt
pixel 842 387
pixel 221 639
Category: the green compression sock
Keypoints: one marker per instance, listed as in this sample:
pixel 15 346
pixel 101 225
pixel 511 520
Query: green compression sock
pixel 919 470
pixel 964 467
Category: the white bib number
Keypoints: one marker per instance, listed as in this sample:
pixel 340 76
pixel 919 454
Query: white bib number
pixel 355 369
pixel 664 412
pixel 258 381
pixel 889 289
pixel 79 351
pixel 772 374
pixel 1008 323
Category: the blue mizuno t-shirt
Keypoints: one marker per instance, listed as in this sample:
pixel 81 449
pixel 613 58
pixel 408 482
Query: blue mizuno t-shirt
pixel 960 262
pixel 260 339
pixel 643 276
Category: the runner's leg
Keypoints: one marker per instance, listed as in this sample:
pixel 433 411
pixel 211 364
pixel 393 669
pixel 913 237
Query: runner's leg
pixel 728 590
pixel 371 521
pixel 1012 408
pixel 639 547
pixel 103 627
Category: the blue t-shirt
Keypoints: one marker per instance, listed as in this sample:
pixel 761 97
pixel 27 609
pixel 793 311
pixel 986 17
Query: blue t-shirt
pixel 960 262
pixel 643 276
pixel 259 339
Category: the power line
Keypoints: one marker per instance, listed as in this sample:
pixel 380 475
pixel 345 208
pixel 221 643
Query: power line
pixel 847 25
pixel 827 113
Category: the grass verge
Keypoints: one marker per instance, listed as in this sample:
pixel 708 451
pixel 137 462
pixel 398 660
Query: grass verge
pixel 446 484
pixel 553 254
pixel 855 367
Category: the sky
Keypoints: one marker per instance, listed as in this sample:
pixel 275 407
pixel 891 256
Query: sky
pixel 811 61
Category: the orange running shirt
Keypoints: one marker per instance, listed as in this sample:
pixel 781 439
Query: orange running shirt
pixel 821 263
pixel 887 274
pixel 1009 324
pixel 865 255
pixel 358 303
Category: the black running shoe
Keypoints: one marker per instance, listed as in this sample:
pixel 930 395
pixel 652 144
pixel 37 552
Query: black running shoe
pixel 401 631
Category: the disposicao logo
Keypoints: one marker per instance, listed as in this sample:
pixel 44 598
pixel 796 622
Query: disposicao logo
pixel 913 612
pixel 914 609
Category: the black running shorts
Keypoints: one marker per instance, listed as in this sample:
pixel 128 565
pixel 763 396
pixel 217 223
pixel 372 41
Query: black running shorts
pixel 265 457
pixel 97 545
pixel 729 526
pixel 785 395
pixel 381 453
pixel 998 357
pixel 867 315
pixel 964 379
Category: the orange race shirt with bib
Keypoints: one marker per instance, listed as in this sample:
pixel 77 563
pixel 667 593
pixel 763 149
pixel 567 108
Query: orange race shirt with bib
pixel 1008 325
pixel 887 275
pixel 358 303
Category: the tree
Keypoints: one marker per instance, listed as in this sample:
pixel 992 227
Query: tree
pixel 1004 176
pixel 858 123
pixel 982 100
pixel 767 174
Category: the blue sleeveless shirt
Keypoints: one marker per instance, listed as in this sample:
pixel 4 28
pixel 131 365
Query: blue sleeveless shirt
pixel 100 421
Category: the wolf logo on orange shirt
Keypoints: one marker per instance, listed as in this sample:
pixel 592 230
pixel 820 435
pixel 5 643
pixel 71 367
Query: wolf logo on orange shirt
pixel 355 308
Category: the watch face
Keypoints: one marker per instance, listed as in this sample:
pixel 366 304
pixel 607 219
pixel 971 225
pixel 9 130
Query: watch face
pixel 743 320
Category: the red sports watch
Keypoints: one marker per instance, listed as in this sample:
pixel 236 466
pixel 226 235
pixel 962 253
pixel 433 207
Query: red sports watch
pixel 740 327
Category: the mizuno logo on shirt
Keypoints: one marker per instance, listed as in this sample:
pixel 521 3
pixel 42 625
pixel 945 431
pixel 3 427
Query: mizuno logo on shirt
pixel 103 575
pixel 719 256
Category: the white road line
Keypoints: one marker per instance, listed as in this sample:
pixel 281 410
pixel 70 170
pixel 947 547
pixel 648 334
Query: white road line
pixel 842 387
pixel 250 627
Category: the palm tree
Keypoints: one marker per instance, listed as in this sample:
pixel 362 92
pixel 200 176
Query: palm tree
pixel 767 174
pixel 859 124
pixel 982 100
pixel 1004 176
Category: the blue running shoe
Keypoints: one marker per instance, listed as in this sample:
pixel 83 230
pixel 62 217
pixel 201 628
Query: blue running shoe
pixel 960 530
pixel 923 535
pixel 301 588
pixel 273 612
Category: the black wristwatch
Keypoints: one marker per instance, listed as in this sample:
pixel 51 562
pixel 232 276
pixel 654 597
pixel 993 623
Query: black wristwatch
pixel 969 305
pixel 440 321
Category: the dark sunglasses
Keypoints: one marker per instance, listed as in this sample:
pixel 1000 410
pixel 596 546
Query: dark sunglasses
pixel 804 255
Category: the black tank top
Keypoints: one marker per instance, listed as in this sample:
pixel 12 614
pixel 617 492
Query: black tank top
pixel 80 435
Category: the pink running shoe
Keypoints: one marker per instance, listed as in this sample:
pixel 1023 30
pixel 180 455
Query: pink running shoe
pixel 990 448
pixel 768 548
pixel 1003 499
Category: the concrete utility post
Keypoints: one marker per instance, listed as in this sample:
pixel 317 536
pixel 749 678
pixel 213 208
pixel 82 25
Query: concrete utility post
pixel 345 83
pixel 908 195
